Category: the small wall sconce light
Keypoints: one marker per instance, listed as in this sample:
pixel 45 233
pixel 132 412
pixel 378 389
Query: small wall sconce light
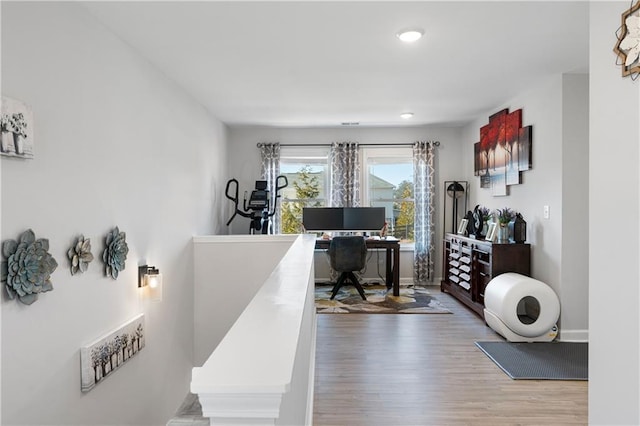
pixel 149 277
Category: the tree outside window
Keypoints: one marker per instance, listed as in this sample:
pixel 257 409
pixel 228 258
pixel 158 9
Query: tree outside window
pixel 307 190
pixel 405 208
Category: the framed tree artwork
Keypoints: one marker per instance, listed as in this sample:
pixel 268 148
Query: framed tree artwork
pixel 102 357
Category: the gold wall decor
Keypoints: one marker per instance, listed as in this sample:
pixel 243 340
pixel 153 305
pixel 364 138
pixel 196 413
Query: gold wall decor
pixel 628 44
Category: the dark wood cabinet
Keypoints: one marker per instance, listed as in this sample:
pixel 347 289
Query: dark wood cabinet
pixel 469 264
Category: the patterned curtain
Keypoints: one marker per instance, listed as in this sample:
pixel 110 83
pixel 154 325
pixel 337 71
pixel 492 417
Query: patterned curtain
pixel 344 184
pixel 270 155
pixel 344 187
pixel 424 195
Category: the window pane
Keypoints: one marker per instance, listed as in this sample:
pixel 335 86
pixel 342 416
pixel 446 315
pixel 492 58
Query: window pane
pixel 391 187
pixel 307 188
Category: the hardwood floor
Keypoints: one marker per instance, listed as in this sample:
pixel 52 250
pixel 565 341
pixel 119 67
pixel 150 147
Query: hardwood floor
pixel 425 370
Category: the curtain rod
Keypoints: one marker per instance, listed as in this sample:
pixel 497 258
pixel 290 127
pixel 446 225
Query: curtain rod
pixel 435 143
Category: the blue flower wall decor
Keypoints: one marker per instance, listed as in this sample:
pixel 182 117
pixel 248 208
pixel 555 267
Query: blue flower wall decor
pixel 27 268
pixel 115 253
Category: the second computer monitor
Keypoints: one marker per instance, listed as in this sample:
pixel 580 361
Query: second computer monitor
pixel 363 218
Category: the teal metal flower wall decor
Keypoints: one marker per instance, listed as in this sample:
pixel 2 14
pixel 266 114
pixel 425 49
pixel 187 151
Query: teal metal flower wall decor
pixel 115 253
pixel 27 269
pixel 80 255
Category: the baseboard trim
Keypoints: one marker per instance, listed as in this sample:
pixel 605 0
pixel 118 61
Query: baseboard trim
pixel 573 335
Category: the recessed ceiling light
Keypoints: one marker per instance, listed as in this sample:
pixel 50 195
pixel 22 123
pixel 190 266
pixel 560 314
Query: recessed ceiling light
pixel 406 115
pixel 410 35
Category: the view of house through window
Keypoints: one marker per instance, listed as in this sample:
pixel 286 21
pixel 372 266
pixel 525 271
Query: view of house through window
pixel 387 182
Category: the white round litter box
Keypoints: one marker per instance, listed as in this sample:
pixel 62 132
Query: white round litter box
pixel 521 309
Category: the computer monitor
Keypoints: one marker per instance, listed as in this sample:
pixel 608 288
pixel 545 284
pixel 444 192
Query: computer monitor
pixel 363 218
pixel 343 218
pixel 322 218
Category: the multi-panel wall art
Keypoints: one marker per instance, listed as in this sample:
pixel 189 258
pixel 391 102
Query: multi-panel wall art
pixel 504 151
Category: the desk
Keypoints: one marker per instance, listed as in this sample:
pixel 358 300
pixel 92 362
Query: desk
pixel 392 247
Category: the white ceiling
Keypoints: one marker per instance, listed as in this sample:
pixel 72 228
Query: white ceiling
pixel 324 63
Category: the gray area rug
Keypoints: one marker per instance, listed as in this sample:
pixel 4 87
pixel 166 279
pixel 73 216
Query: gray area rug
pixel 540 361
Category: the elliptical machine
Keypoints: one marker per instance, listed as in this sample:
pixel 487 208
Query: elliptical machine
pixel 257 208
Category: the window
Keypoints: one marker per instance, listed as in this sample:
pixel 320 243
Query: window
pixel 388 182
pixel 306 169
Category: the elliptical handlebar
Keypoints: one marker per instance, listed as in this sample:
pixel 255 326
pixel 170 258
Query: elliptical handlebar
pixel 234 199
pixel 277 195
pixel 236 210
pixel 278 186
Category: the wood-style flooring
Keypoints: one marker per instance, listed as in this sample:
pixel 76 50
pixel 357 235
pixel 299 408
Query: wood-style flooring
pixel 425 370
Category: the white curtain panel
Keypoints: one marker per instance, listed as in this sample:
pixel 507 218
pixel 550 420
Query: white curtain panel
pixel 424 225
pixel 270 155
pixel 344 186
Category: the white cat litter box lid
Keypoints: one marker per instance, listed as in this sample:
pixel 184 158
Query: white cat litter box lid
pixel 521 309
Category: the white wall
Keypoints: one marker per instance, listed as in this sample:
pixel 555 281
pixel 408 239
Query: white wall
pixel 614 230
pixel 574 275
pixel 543 107
pixel 244 165
pixel 116 144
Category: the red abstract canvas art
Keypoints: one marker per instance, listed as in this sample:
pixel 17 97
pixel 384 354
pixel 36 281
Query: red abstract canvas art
pixel 504 151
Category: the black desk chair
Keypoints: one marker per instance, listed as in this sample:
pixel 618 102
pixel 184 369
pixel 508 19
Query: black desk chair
pixel 348 254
